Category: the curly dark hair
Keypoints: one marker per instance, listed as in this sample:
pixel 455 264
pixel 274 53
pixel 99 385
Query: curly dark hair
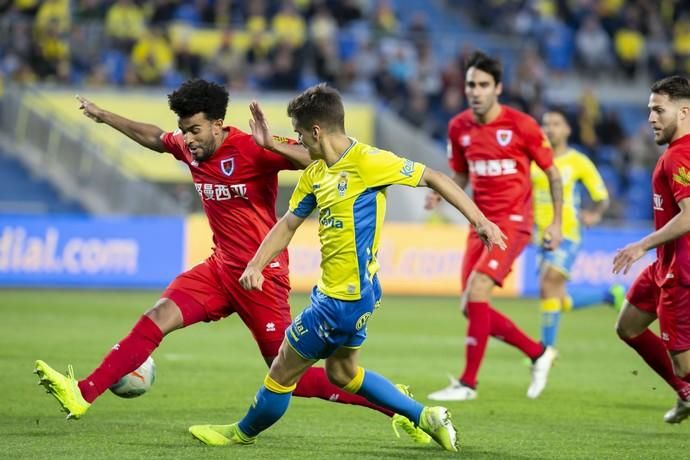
pixel 675 87
pixel 198 95
pixel 485 63
pixel 320 105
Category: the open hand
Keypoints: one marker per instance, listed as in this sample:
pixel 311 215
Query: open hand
pixel 627 256
pixel 490 234
pixel 259 125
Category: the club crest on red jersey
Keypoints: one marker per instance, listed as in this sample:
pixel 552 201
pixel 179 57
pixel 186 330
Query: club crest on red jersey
pixel 465 140
pixel 504 136
pixel 228 166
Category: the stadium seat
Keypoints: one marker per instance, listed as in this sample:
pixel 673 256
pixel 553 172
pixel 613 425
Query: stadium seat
pixel 22 193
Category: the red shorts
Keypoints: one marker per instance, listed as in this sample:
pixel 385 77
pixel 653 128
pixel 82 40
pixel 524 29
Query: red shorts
pixel 494 263
pixel 210 291
pixel 670 303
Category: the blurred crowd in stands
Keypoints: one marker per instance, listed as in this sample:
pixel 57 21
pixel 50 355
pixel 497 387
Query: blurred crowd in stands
pixel 625 37
pixel 366 48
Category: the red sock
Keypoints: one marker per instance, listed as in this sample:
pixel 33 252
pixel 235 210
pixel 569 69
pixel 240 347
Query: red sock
pixel 504 329
pixel 124 357
pixel 478 327
pixel 650 347
pixel 315 384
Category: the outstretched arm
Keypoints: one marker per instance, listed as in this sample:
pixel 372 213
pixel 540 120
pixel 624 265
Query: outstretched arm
pixel 275 241
pixel 433 199
pixel 451 192
pixel 261 133
pixel 142 133
pixel 674 228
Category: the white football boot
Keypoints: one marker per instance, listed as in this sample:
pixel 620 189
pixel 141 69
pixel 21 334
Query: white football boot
pixel 680 412
pixel 540 372
pixel 456 391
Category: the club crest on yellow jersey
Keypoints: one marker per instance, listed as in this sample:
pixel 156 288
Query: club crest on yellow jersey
pixel 342 184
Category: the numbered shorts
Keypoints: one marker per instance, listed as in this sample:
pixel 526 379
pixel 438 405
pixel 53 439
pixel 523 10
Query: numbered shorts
pixel 328 324
pixel 561 259
pixel 494 263
pixel 671 304
pixel 210 291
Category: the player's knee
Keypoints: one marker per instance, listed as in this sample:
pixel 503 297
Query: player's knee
pixel 167 316
pixel 551 284
pixel 624 330
pixel 620 331
pixel 480 287
pixel 681 365
pixel 338 377
pixel 339 374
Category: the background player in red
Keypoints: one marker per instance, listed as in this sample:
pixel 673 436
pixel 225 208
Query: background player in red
pixel 237 182
pixel 492 146
pixel 662 290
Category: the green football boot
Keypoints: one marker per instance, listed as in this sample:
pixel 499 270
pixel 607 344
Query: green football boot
pixel 400 421
pixel 221 435
pixel 436 422
pixel 64 388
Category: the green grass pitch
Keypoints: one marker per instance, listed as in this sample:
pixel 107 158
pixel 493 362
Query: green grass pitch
pixel 602 401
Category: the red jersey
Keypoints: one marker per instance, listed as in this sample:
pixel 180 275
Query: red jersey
pixel 237 185
pixel 497 156
pixel 670 184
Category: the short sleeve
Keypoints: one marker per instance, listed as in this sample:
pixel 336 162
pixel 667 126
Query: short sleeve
pixel 380 168
pixel 536 143
pixel 678 172
pixel 456 153
pixel 174 144
pixel 303 200
pixel 591 179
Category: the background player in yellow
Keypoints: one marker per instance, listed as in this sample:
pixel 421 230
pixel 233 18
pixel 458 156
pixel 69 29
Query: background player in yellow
pixel 555 265
pixel 347 183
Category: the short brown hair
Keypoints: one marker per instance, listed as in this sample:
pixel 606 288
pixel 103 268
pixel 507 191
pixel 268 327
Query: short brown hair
pixel 675 87
pixel 318 105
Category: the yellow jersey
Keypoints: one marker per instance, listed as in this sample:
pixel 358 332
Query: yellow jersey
pixel 351 199
pixel 574 166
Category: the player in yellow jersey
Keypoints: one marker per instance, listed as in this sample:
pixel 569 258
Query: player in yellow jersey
pixel 347 184
pixel 555 265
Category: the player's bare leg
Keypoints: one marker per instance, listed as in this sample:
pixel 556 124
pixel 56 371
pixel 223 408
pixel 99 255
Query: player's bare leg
pixel 681 363
pixel 632 327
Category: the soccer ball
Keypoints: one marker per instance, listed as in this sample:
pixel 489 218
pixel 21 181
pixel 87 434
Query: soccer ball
pixel 137 382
